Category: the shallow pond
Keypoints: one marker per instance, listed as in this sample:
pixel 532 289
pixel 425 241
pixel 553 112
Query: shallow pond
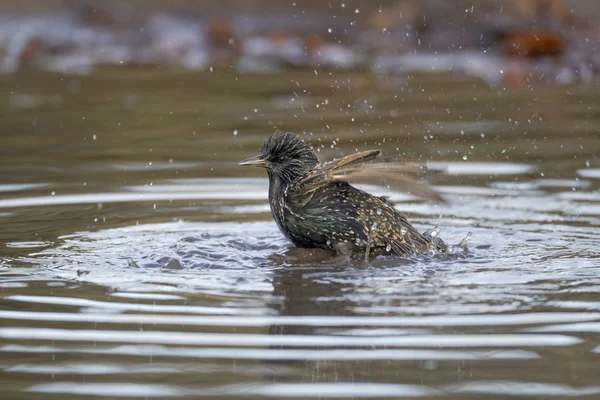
pixel 138 260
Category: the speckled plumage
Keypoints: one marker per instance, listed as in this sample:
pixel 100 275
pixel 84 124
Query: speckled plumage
pixel 315 206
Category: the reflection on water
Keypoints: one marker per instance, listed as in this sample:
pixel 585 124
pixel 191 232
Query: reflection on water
pixel 139 261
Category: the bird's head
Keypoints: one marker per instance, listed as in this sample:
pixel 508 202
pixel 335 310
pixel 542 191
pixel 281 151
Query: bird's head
pixel 285 156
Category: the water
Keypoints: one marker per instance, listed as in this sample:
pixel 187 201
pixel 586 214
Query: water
pixel 138 260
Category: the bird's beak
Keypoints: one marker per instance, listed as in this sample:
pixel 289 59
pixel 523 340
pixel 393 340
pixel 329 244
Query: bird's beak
pixel 256 161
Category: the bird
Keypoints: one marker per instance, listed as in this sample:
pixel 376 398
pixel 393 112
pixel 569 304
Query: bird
pixel 315 205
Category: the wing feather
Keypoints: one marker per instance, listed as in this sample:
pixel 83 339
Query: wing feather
pixel 396 176
pixel 359 169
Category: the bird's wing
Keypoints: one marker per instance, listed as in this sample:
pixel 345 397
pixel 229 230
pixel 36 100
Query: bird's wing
pixel 396 176
pixel 323 173
pixel 357 168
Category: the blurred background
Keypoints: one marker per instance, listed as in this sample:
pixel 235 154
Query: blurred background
pixel 138 259
pixel 510 41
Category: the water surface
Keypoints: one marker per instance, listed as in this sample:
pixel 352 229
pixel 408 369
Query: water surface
pixel 138 260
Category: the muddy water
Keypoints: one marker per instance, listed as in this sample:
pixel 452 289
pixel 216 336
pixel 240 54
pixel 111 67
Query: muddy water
pixel 138 260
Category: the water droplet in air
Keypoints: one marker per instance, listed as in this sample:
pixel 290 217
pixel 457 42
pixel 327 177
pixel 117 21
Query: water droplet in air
pixel 378 211
pixel 388 248
pixel 235 132
pixel 403 231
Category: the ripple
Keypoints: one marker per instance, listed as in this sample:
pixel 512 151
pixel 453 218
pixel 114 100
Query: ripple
pixel 329 390
pixel 582 327
pixel 482 168
pixel 28 245
pixel 156 308
pixel 593 173
pixel 515 388
pixel 156 351
pixel 20 187
pixel 265 321
pixel 146 296
pixel 207 339
pixel 105 389
pixel 95 198
pixel 135 258
pixel 91 369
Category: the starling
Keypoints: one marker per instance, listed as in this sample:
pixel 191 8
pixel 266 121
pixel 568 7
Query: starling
pixel 315 206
